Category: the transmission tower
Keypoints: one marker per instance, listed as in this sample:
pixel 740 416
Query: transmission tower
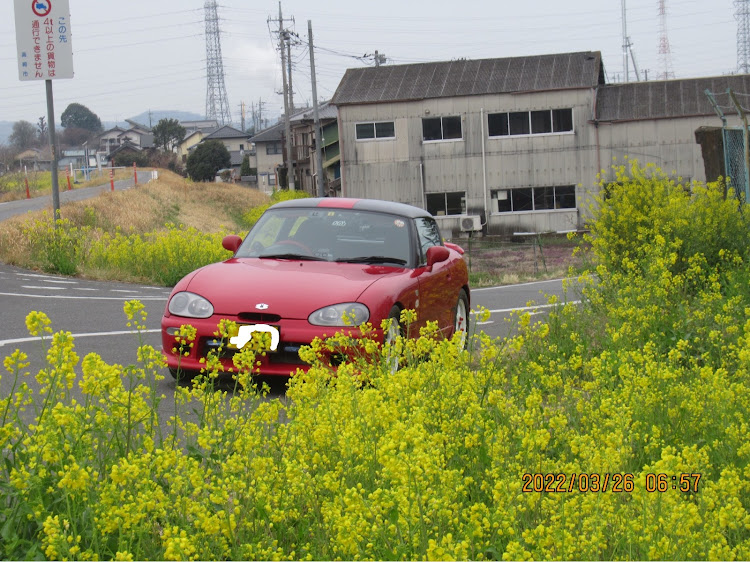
pixel 217 105
pixel 665 53
pixel 742 14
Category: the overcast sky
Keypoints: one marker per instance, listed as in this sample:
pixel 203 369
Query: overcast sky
pixel 139 55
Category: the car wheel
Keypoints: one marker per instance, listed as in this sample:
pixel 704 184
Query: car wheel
pixel 394 331
pixel 461 317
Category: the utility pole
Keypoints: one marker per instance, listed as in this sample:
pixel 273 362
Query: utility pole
pixel 379 59
pixel 625 42
pixel 289 70
pixel 316 117
pixel 289 161
pixel 242 116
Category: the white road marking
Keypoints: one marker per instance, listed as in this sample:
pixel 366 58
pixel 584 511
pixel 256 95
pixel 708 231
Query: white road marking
pixel 62 282
pixel 520 284
pixel 36 275
pixel 77 336
pixel 534 307
pixel 83 297
pixel 43 288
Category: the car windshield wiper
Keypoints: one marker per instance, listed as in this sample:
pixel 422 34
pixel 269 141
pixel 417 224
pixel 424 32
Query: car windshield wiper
pixel 291 257
pixel 373 259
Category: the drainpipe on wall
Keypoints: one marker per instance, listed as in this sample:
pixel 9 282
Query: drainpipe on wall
pixel 339 126
pixel 484 171
pixel 596 131
pixel 422 184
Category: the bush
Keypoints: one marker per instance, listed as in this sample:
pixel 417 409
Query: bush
pixel 57 246
pixel 644 209
pixel 162 257
pixel 252 216
pixel 208 158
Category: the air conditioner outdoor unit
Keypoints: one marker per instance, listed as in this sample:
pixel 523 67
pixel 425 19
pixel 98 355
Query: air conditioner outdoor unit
pixel 471 223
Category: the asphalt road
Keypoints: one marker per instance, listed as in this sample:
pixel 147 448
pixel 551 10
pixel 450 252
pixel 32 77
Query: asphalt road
pixel 19 207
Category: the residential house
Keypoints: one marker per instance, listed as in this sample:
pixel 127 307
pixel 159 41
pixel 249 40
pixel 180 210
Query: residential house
pixel 35 159
pixel 268 156
pixel 191 140
pixel 136 139
pixel 236 142
pixel 302 126
pixel 195 131
pixel 205 125
pixel 512 144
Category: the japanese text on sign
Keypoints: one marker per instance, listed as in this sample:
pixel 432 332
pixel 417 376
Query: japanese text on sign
pixel 44 40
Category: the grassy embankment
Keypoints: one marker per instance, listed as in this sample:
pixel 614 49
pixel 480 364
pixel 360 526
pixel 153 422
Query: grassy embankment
pixel 156 233
pixel 613 429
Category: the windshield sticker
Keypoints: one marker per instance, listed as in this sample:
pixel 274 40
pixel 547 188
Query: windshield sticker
pixel 399 223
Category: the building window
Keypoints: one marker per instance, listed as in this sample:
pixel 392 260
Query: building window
pixel 451 203
pixel 274 147
pixel 271 179
pixel 441 128
pixel 530 122
pixel 534 199
pixel 375 130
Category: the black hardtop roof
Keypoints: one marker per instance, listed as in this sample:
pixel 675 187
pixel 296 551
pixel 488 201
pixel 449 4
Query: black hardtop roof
pixel 374 205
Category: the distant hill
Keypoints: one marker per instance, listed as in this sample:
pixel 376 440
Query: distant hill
pixel 150 119
pixel 153 117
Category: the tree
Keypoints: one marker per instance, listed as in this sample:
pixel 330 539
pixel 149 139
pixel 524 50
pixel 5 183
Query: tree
pixel 245 169
pixel 80 116
pixel 23 135
pixel 208 158
pixel 168 133
pixel 42 131
pixel 75 136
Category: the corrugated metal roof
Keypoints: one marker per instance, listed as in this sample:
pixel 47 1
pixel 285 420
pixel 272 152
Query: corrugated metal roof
pixel 469 77
pixel 669 98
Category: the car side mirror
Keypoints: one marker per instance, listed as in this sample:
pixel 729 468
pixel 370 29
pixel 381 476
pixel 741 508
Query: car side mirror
pixel 436 254
pixel 231 242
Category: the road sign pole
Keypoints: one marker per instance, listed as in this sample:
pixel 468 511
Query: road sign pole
pixel 53 148
pixel 135 174
pixel 112 179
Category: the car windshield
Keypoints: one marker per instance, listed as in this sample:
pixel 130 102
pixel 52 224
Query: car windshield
pixel 340 235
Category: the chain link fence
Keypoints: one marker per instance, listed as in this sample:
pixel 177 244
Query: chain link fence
pixel 734 160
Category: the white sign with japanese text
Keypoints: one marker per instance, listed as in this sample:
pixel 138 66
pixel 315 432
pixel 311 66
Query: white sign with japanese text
pixel 43 37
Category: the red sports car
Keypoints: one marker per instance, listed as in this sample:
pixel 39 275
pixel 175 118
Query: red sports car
pixel 311 267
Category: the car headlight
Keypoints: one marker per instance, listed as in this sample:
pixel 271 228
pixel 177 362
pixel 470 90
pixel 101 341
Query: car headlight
pixel 190 305
pixel 344 314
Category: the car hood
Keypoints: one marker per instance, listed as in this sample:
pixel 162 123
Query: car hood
pixel 290 288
